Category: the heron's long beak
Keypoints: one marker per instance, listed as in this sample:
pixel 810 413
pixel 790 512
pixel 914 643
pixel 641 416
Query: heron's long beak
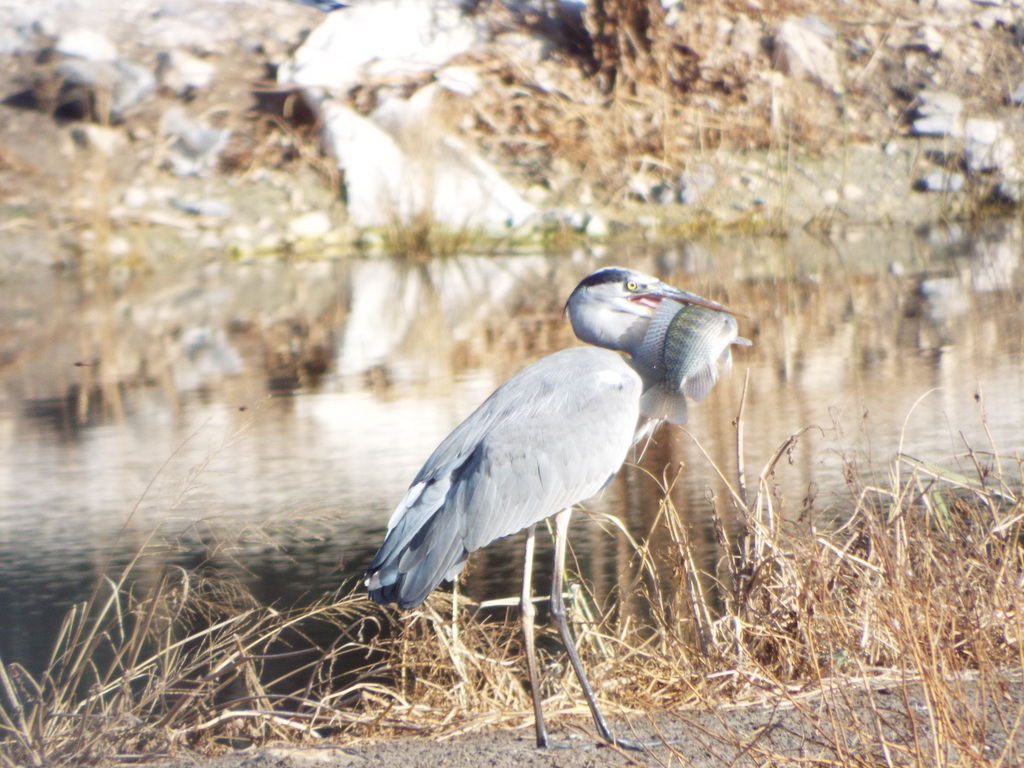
pixel 665 291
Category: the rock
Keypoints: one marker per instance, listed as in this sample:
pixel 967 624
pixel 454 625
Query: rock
pixel 640 185
pixel 952 7
pixel 97 138
pixel 373 165
pixel 406 118
pixel 521 49
pixel 182 73
pixel 204 207
pixel 940 181
pixel 135 198
pixel 310 226
pixel 569 218
pixel 852 192
pixel 102 90
pixel 745 37
pixel 198 147
pixel 803 48
pixel 202 31
pixel 596 227
pixel 86 44
pixel 986 146
pixel 392 38
pixel 439 177
pixel 927 39
pixel 991 18
pixel 662 194
pixel 693 185
pixel 323 5
pixel 1010 188
pixel 13 41
pixel 464 81
pixel 938 114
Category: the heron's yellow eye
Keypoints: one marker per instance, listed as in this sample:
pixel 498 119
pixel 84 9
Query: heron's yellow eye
pixel 631 286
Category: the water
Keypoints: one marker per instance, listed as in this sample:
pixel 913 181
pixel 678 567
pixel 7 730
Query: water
pixel 263 419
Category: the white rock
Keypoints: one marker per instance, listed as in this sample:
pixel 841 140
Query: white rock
pixel 464 81
pixel 802 48
pixel 986 146
pixel 98 138
pixel 940 181
pixel 135 197
pixel 852 192
pixel 182 72
pixel 935 125
pixel 202 206
pixel 693 185
pixel 939 103
pixel 86 44
pixel 952 7
pixel 373 165
pixel 119 247
pixel 745 37
pixel 378 38
pixel 927 39
pixel 407 118
pixel 939 114
pixel 527 51
pixel 310 226
pixel 115 86
pixel 13 41
pixel 197 148
pixel 596 227
pixel 990 18
pixel 441 178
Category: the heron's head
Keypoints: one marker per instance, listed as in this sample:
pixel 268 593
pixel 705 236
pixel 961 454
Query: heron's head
pixel 612 307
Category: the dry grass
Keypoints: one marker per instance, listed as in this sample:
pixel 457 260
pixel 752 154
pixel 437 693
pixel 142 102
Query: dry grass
pixel 919 589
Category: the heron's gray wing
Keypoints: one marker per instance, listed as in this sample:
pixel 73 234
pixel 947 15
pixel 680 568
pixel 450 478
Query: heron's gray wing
pixel 549 437
pixel 560 451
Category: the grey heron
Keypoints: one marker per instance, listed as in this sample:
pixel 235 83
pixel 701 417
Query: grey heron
pixel 550 437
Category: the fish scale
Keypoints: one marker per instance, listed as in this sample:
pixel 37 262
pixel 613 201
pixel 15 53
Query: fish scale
pixel 680 356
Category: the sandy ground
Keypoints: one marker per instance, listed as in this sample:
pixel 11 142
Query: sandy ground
pixel 966 721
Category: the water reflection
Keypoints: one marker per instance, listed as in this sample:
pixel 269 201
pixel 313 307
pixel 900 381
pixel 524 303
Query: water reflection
pixel 265 418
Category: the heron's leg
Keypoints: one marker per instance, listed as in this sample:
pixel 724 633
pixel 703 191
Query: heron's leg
pixel 527 611
pixel 558 616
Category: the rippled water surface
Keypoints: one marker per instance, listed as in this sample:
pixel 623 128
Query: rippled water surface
pixel 263 419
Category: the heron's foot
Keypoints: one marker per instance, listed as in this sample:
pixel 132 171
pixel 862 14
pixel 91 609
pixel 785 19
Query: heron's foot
pixel 642 746
pixel 632 745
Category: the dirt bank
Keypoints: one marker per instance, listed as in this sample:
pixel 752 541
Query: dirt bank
pixel 877 722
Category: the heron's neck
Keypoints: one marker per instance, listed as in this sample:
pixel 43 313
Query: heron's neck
pixel 616 331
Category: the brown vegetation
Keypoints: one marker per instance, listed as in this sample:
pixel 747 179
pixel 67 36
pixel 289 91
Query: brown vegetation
pixel 918 589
